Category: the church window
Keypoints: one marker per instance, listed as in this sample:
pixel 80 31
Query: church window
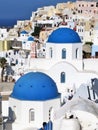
pixel 31 115
pixel 51 52
pixel 78 11
pixel 63 53
pixel 77 53
pixel 50 112
pixel 90 33
pixel 83 5
pixel 1 35
pixel 24 42
pixel 62 77
pixel 92 5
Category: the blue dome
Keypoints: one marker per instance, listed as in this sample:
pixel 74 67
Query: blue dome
pixel 30 39
pixel 64 35
pixel 35 86
pixel 24 32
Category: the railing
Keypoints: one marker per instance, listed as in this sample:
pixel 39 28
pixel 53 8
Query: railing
pixel 47 126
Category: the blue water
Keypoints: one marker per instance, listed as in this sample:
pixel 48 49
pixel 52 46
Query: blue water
pixel 7 22
pixel 13 10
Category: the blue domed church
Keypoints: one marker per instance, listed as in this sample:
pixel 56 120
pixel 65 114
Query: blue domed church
pixel 34 98
pixel 64 44
pixel 63 59
pixel 40 92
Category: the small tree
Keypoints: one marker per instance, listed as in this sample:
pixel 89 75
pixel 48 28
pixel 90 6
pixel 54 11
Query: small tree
pixel 2 65
pixel 37 30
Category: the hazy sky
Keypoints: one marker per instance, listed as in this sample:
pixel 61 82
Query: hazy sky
pixel 22 9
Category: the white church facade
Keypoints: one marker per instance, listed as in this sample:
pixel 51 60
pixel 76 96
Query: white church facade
pixel 33 100
pixel 63 61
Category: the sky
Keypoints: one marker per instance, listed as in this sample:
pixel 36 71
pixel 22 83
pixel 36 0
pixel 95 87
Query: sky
pixel 13 10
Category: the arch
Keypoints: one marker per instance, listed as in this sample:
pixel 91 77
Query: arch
pixel 62 77
pixel 63 53
pixel 31 115
pixel 51 52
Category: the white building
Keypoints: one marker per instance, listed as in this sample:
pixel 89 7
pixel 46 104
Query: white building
pixel 33 100
pixel 3 33
pixel 95 41
pixel 63 60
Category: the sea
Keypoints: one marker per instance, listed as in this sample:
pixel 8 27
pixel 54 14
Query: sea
pixel 13 10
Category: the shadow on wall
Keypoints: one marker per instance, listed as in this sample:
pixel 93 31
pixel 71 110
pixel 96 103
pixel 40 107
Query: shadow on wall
pixel 7 121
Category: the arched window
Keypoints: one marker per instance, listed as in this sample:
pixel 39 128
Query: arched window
pixel 63 53
pixel 31 115
pixel 77 53
pixel 51 52
pixel 62 78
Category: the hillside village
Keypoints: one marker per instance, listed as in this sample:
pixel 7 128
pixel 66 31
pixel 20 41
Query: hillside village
pixel 52 59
